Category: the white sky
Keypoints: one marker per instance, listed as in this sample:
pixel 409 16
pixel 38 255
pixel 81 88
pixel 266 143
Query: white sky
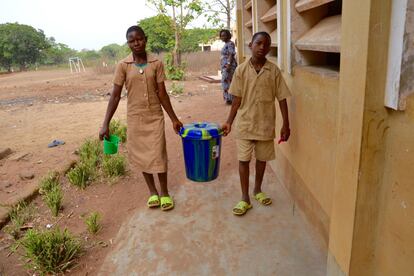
pixel 80 24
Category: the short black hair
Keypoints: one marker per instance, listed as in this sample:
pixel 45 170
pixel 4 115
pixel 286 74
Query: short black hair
pixel 225 31
pixel 263 34
pixel 135 28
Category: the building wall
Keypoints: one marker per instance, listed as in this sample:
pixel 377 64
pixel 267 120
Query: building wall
pixel 349 163
pixel 395 237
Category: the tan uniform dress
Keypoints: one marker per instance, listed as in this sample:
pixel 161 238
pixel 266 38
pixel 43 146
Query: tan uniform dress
pixel 145 119
pixel 256 116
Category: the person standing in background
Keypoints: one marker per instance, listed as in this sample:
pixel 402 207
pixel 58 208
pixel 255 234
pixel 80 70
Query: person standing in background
pixel 228 64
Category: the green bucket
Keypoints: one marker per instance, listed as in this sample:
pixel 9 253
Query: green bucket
pixel 111 144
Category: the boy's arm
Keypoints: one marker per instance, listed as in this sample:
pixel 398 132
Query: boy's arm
pixel 110 110
pixel 166 104
pixel 226 127
pixel 285 131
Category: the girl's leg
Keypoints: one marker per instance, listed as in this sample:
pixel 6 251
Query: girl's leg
pixel 244 180
pixel 163 183
pixel 149 179
pixel 260 169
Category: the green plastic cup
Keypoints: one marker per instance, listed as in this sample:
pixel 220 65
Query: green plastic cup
pixel 111 144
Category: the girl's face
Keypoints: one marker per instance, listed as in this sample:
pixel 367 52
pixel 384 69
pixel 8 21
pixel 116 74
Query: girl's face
pixel 224 36
pixel 136 42
pixel 260 46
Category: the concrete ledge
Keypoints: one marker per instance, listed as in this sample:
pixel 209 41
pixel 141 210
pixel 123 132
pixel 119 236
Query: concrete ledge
pixel 270 15
pixel 287 175
pixel 30 191
pixel 304 5
pixel 324 36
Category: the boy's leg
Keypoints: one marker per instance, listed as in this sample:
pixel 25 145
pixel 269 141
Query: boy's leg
pixel 244 180
pixel 260 169
pixel 149 179
pixel 163 183
pixel 244 154
pixel 265 151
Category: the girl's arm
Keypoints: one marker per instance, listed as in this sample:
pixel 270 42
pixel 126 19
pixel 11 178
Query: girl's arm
pixel 285 131
pixel 166 104
pixel 110 110
pixel 226 127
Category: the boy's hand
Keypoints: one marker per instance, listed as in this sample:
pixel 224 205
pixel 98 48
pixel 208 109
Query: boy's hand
pixel 104 132
pixel 177 125
pixel 226 128
pixel 284 133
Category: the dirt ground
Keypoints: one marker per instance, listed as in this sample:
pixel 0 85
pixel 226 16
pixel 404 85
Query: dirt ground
pixel 38 107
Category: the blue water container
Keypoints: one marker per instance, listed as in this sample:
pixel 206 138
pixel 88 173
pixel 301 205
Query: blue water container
pixel 201 145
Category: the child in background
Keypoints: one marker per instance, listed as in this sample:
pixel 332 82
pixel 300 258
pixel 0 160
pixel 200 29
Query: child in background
pixel 256 84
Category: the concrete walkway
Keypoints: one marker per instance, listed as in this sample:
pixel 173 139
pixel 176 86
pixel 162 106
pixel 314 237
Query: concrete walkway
pixel 202 237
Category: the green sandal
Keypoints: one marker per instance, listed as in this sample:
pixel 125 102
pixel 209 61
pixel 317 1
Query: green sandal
pixel 263 199
pixel 166 203
pixel 241 208
pixel 153 201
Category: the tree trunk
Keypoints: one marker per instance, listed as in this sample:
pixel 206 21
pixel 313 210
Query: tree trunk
pixel 174 53
pixel 228 14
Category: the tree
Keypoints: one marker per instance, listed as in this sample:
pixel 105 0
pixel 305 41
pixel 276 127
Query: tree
pixel 21 45
pixel 113 51
pixel 160 33
pixel 192 38
pixel 215 9
pixel 57 53
pixel 181 12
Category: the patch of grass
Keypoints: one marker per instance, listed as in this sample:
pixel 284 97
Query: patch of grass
pixel 116 127
pixel 53 199
pixel 91 152
pixel 50 252
pixel 114 165
pixel 19 215
pixel 81 174
pixel 52 192
pixel 92 222
pixel 177 88
pixel 49 182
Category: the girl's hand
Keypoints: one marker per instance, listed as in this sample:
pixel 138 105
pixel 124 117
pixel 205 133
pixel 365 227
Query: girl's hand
pixel 284 133
pixel 177 125
pixel 104 132
pixel 226 128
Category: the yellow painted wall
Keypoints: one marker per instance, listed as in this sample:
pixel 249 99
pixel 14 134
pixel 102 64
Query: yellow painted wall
pixel 348 155
pixel 311 148
pixel 395 237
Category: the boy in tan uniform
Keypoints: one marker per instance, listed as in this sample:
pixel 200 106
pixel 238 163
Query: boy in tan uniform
pixel 256 83
pixel 143 77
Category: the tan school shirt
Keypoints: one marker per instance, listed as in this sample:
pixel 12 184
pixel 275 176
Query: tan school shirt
pixel 145 118
pixel 256 116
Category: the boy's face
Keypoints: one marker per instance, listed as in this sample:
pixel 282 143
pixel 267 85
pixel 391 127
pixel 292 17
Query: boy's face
pixel 136 42
pixel 260 47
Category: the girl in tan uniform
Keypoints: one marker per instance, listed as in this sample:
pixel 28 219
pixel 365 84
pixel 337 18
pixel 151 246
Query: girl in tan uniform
pixel 143 76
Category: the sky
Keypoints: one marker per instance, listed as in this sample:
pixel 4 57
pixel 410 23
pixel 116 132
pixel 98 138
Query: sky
pixel 80 24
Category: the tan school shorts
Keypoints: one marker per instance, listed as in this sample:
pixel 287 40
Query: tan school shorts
pixel 263 150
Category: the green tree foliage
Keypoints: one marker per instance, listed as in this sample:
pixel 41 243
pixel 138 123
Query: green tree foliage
pixel 57 53
pixel 112 52
pixel 21 45
pixel 181 12
pixel 219 12
pixel 160 32
pixel 89 55
pixel 193 37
